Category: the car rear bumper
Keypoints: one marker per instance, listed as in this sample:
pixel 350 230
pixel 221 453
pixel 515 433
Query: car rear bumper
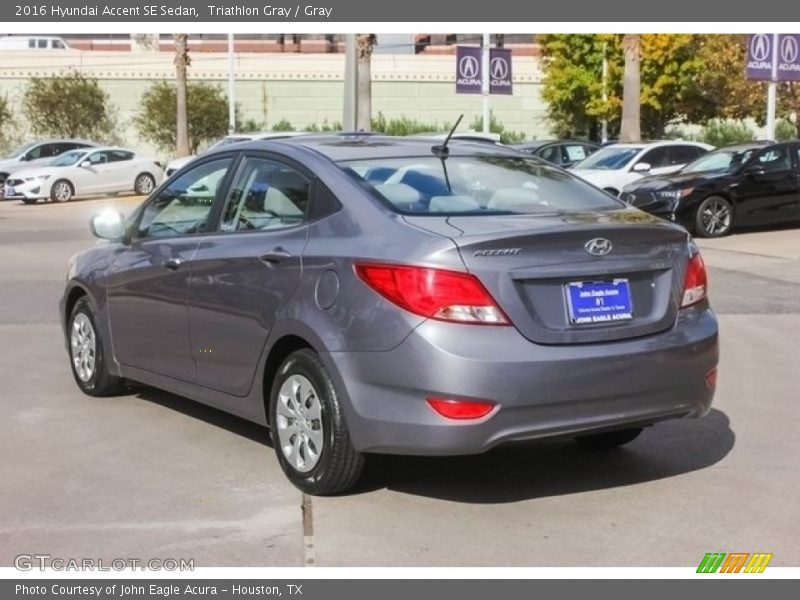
pixel 541 391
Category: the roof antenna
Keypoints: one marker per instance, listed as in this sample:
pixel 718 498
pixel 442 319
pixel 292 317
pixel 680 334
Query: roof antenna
pixel 442 151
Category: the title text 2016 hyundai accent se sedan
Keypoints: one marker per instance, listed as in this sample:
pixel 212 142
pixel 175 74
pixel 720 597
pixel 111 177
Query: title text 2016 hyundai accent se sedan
pixel 362 294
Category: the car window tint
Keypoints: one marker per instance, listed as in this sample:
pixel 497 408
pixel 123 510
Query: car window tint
pixel 58 44
pixel 36 152
pixel 775 159
pixel 657 157
pixel 183 207
pixel 119 155
pixel 42 43
pixel 265 195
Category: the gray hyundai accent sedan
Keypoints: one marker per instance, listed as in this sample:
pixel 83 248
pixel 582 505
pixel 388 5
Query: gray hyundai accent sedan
pixel 364 294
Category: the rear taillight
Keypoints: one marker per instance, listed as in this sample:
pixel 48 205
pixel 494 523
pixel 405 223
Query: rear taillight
pixel 696 283
pixel 433 293
pixel 461 409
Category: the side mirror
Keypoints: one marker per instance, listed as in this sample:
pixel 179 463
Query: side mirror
pixel 108 225
pixel 641 167
pixel 755 169
pixel 86 164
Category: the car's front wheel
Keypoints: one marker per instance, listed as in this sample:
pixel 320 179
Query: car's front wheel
pixel 144 184
pixel 714 217
pixel 309 431
pixel 62 191
pixel 609 439
pixel 86 353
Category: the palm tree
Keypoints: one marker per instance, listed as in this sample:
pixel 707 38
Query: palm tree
pixel 630 130
pixel 365 43
pixel 181 115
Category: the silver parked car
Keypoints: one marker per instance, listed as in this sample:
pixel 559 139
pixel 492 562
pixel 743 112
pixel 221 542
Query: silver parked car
pixel 366 294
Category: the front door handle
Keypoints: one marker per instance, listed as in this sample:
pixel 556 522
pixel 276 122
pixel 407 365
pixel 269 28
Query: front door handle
pixel 173 264
pixel 274 256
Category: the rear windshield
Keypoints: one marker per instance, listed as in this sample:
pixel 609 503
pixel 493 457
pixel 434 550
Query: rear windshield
pixel 609 159
pixel 476 185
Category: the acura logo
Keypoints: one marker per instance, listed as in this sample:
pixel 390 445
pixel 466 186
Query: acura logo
pixel 598 246
pixel 760 47
pixel 499 68
pixel 789 49
pixel 468 67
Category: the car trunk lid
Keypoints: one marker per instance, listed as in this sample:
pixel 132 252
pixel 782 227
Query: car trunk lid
pixel 537 267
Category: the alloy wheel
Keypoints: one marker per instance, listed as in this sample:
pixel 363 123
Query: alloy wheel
pixel 299 423
pixel 715 217
pixel 84 347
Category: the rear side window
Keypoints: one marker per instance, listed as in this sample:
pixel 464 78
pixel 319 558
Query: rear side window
pixel 681 155
pixel 478 185
pixel 119 155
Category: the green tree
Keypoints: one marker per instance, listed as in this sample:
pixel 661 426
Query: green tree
pixel 207 109
pixel 68 106
pixel 6 124
pixel 670 68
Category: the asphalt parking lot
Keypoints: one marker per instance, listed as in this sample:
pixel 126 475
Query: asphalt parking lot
pixel 154 475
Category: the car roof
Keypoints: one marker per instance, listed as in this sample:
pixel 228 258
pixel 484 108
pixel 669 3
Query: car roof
pixel 654 144
pixel 751 145
pixel 360 145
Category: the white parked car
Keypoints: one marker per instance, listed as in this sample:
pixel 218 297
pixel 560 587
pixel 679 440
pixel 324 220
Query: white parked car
pixel 613 167
pixel 179 163
pixel 36 153
pixel 85 172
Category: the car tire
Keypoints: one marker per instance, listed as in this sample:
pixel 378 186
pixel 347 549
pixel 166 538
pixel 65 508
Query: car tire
pixel 713 218
pixel 609 439
pixel 30 200
pixel 87 356
pixel 308 427
pixel 62 191
pixel 144 184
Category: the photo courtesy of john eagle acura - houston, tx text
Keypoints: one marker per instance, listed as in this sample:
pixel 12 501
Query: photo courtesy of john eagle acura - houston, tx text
pixel 363 294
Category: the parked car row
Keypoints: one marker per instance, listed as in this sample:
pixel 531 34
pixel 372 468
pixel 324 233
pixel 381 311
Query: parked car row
pixel 60 170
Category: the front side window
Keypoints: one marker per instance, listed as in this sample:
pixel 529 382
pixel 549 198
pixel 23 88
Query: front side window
pixel 656 158
pixel 266 195
pixel 67 159
pixel 775 159
pixel 183 207
pixel 36 152
pixel 479 185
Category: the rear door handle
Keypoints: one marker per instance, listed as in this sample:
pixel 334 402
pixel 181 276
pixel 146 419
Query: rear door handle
pixel 275 256
pixel 173 264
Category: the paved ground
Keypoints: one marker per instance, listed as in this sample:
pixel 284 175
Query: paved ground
pixel 154 475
